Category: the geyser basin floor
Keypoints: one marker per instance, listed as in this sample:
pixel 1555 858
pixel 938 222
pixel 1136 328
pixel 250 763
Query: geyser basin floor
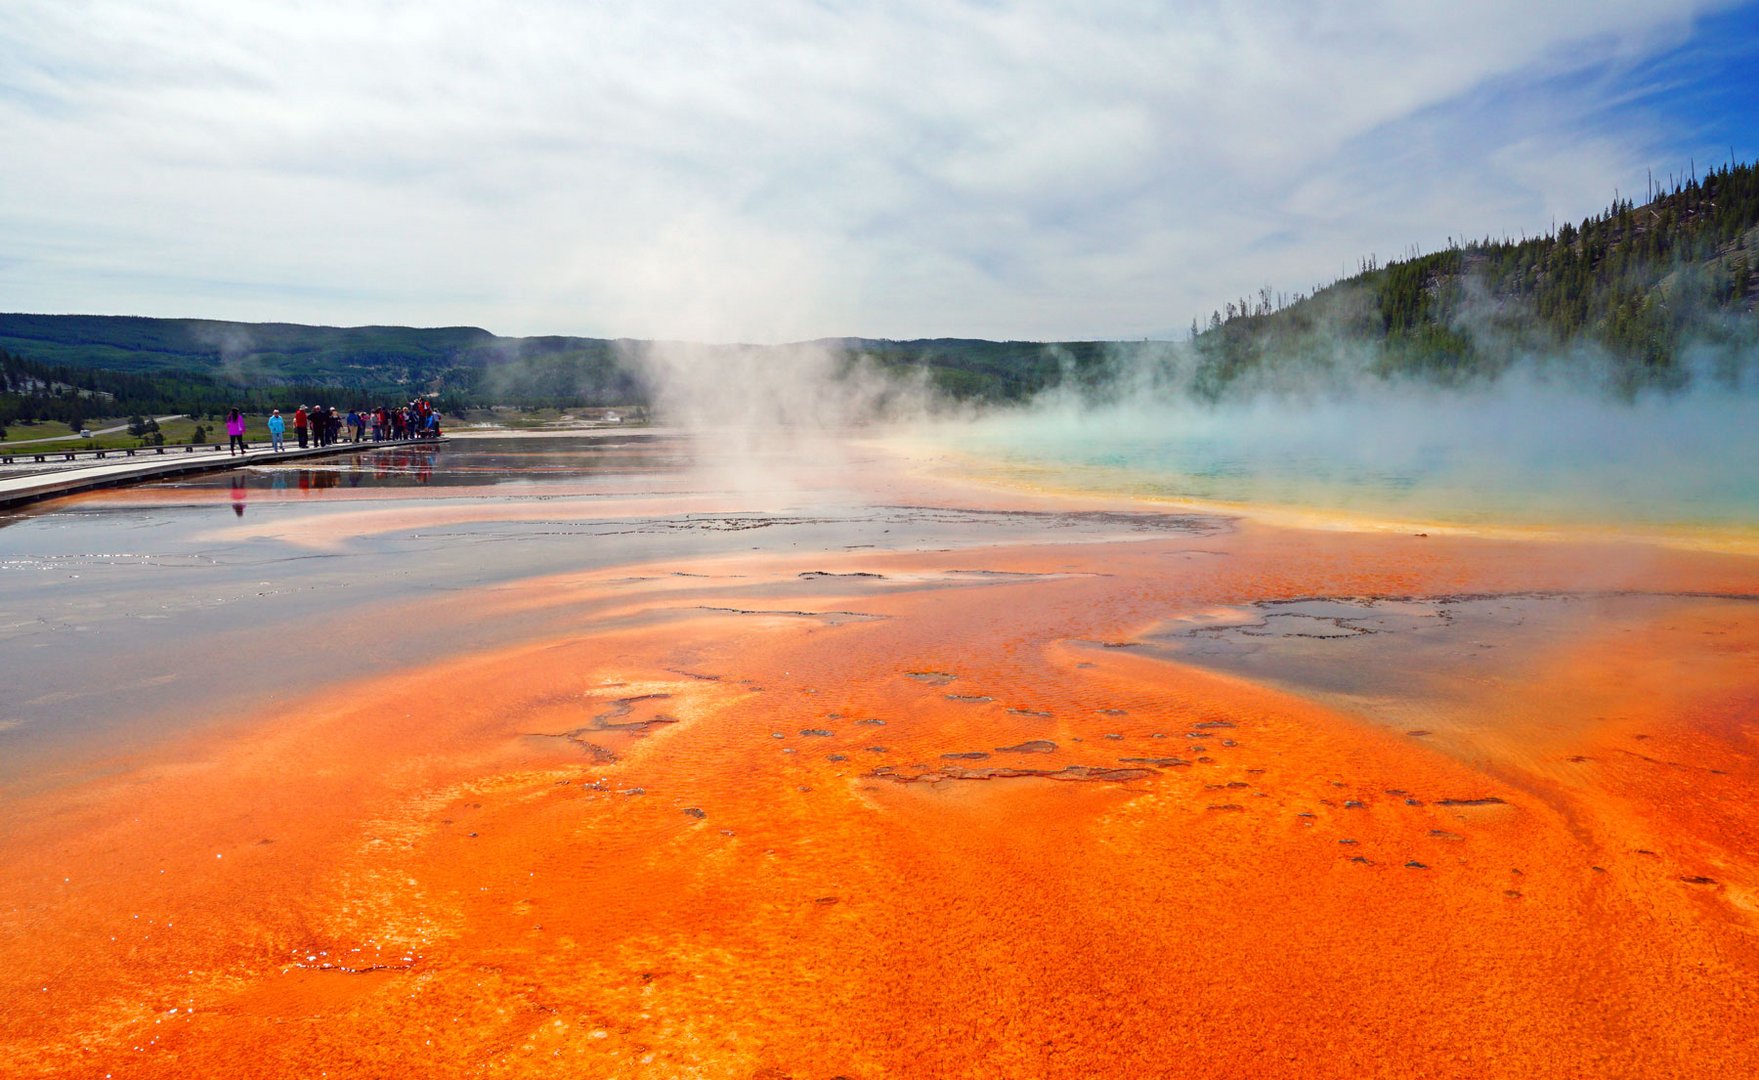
pixel 925 808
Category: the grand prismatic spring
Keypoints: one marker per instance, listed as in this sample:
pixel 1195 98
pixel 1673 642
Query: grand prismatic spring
pixel 587 757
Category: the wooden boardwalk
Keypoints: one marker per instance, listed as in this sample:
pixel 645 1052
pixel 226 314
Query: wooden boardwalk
pixel 35 475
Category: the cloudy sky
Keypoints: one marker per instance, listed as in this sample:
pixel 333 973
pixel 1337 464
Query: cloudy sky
pixel 768 170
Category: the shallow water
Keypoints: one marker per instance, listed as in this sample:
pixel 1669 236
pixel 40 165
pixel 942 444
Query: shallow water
pixel 1445 668
pixel 1543 459
pixel 178 590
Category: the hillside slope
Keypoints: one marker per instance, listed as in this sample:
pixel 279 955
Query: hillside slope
pixel 464 365
pixel 1638 293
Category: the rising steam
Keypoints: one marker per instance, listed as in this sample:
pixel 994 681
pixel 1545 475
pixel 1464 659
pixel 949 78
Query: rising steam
pixel 761 412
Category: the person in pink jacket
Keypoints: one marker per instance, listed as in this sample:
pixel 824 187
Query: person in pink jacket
pixel 235 433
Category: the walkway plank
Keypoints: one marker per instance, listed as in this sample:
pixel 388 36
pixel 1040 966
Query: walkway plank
pixel 38 484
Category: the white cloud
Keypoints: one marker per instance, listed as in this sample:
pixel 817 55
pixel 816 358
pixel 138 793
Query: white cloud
pixel 776 170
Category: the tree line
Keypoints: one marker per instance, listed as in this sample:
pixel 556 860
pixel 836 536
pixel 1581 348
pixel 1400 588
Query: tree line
pixel 1642 285
pixel 34 391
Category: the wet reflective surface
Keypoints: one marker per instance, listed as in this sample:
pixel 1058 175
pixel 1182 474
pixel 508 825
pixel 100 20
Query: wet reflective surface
pixel 188 591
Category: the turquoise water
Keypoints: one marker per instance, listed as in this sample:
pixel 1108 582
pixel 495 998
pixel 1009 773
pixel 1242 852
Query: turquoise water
pixel 1534 460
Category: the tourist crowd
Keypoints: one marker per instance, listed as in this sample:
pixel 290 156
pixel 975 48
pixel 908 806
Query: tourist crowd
pixel 325 425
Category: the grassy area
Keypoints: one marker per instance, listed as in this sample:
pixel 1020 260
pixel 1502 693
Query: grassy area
pixel 21 431
pixel 21 436
pixel 536 419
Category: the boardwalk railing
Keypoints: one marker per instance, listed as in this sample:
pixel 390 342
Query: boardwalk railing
pixel 10 456
pixel 27 485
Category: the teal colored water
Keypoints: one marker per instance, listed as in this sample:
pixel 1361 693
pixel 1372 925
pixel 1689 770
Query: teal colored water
pixel 1677 462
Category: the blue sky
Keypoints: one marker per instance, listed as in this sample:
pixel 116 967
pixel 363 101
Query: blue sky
pixel 772 170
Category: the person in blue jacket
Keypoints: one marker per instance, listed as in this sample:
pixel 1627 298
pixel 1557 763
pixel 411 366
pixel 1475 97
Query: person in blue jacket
pixel 277 428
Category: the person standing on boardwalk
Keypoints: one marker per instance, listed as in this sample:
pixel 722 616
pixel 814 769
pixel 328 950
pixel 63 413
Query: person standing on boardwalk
pixel 277 428
pixel 299 426
pixel 235 433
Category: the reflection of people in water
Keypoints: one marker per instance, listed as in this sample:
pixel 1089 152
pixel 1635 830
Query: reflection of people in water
pixel 238 496
pixel 319 479
pixel 418 465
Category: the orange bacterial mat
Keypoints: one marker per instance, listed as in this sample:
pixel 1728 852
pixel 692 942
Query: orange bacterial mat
pixel 938 814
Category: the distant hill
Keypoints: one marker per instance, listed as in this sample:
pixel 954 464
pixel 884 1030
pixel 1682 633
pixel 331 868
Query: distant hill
pixel 376 359
pixel 191 359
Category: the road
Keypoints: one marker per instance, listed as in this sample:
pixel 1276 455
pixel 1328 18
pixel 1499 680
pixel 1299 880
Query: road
pixel 70 437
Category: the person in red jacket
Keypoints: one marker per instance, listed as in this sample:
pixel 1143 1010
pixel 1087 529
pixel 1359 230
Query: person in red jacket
pixel 299 426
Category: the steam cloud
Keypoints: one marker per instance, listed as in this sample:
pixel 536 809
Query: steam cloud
pixel 762 411
pixel 1553 437
pixel 1319 420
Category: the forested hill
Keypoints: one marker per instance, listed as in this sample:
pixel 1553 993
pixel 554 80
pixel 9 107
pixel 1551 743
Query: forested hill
pixel 1637 291
pixel 232 355
pixel 157 363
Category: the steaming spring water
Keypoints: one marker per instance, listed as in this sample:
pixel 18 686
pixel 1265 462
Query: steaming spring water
pixel 1686 463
